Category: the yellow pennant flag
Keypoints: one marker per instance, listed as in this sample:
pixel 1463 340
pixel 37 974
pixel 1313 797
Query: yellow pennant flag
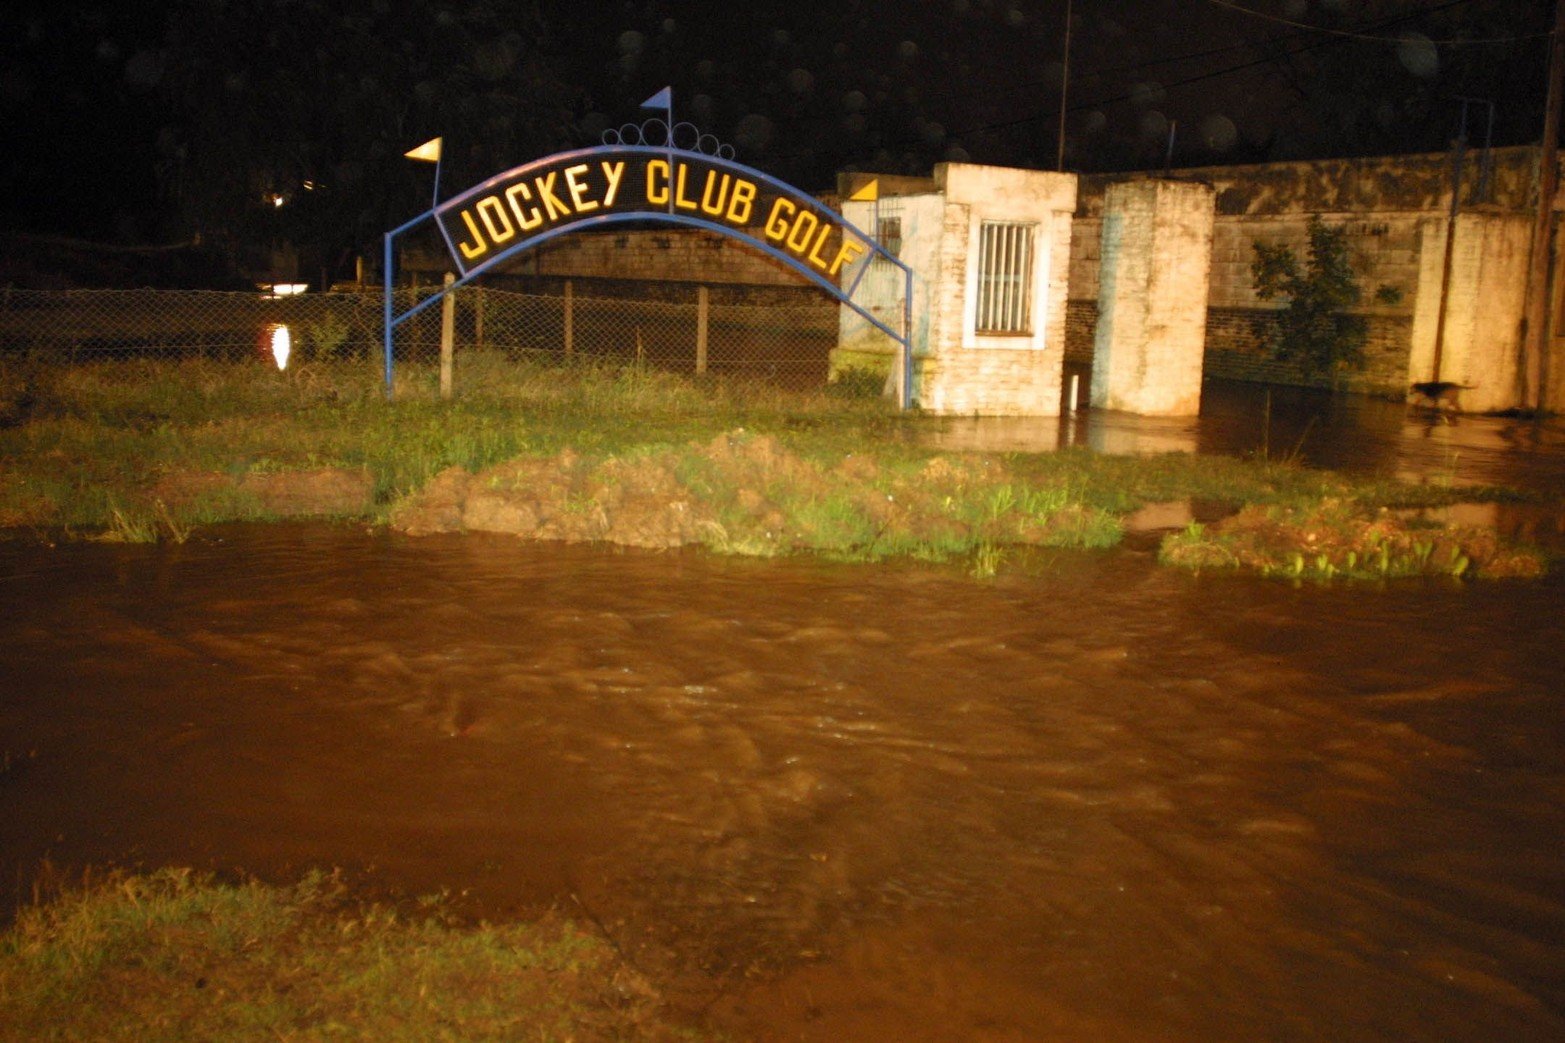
pixel 868 193
pixel 429 151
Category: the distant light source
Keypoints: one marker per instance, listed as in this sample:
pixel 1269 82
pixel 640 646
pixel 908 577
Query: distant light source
pixel 284 289
pixel 282 344
pixel 276 199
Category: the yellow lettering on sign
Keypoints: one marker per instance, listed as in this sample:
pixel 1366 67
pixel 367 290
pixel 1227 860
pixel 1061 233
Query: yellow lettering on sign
pixel 496 220
pixel 715 206
pixel 777 222
pixel 529 218
pixel 526 206
pixel 578 188
pixel 476 248
pixel 742 203
pixel 657 193
pixel 553 205
pixel 845 254
pixel 612 172
pixel 815 251
pixel 679 191
pixel 804 223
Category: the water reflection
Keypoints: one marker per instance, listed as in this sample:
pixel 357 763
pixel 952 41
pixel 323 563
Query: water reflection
pixel 1351 433
pixel 1106 801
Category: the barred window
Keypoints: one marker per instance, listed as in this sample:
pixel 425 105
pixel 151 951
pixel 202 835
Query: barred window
pixel 1005 277
pixel 890 235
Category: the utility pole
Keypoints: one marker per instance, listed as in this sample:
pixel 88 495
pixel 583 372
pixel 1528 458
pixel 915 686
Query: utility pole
pixel 1536 348
pixel 1065 82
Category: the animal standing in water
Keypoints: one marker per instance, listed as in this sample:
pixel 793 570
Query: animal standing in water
pixel 1440 394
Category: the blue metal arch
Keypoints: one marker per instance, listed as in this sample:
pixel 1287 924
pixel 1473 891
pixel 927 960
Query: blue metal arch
pixel 799 199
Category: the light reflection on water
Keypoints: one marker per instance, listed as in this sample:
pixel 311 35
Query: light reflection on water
pixel 1101 801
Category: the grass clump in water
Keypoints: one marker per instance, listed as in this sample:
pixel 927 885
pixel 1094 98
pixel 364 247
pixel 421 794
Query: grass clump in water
pixel 1336 538
pixel 170 955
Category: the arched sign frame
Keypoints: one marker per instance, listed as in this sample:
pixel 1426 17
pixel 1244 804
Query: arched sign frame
pixel 594 188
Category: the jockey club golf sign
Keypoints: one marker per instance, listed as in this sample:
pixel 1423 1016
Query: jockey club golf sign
pixel 633 181
pixel 651 173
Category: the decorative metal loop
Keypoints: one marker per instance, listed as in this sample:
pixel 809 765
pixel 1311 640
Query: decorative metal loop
pixel 685 137
pixel 693 136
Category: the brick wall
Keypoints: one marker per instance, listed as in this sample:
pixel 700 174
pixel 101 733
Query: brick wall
pixel 1235 350
pixel 678 255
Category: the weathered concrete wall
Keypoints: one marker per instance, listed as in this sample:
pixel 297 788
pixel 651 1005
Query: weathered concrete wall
pixel 1151 324
pixel 1386 206
pixel 881 291
pixel 1385 253
pixel 1378 184
pixel 1012 375
pixel 1479 343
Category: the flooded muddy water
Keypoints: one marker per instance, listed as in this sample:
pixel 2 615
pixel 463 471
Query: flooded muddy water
pixel 1358 434
pixel 1101 800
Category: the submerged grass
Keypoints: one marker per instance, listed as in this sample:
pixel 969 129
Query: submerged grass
pixel 148 450
pixel 173 956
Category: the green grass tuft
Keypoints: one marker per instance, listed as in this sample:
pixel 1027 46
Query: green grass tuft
pixel 173 956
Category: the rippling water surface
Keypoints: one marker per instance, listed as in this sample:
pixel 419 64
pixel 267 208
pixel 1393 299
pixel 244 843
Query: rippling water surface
pixel 1100 801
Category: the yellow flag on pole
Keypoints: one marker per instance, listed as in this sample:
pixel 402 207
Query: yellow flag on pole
pixel 868 192
pixel 429 151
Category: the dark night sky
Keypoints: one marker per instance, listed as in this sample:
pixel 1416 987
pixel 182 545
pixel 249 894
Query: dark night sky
pixel 129 120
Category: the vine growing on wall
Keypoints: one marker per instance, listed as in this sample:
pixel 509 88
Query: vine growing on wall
pixel 1315 331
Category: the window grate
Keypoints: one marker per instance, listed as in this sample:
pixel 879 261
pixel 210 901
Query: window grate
pixel 1005 277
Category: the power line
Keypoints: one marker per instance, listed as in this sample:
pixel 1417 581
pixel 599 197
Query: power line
pixel 1269 59
pixel 1349 34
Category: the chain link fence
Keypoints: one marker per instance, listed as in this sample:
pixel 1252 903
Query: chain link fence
pixel 787 344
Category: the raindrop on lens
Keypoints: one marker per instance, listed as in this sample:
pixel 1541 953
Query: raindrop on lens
pixel 1418 55
pixel 1218 133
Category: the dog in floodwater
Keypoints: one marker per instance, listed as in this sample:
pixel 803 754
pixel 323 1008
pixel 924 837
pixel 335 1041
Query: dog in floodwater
pixel 1440 394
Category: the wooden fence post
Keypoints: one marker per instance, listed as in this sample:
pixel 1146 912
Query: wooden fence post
pixel 478 317
pixel 447 337
pixel 570 332
pixel 702 304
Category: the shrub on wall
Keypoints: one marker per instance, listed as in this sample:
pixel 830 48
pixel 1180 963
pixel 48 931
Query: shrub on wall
pixel 1314 331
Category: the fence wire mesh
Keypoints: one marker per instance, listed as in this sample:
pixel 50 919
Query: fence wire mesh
pixel 787 344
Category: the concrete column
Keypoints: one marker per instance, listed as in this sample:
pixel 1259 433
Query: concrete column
pixel 1485 297
pixel 1153 281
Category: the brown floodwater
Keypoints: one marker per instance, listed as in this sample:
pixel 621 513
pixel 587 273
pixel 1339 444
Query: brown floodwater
pixel 1095 799
pixel 1358 434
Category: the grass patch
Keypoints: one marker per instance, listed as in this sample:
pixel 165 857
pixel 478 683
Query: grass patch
pixel 149 450
pixel 173 956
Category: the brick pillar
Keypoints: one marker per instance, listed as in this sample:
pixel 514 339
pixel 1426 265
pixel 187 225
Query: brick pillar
pixel 1154 275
